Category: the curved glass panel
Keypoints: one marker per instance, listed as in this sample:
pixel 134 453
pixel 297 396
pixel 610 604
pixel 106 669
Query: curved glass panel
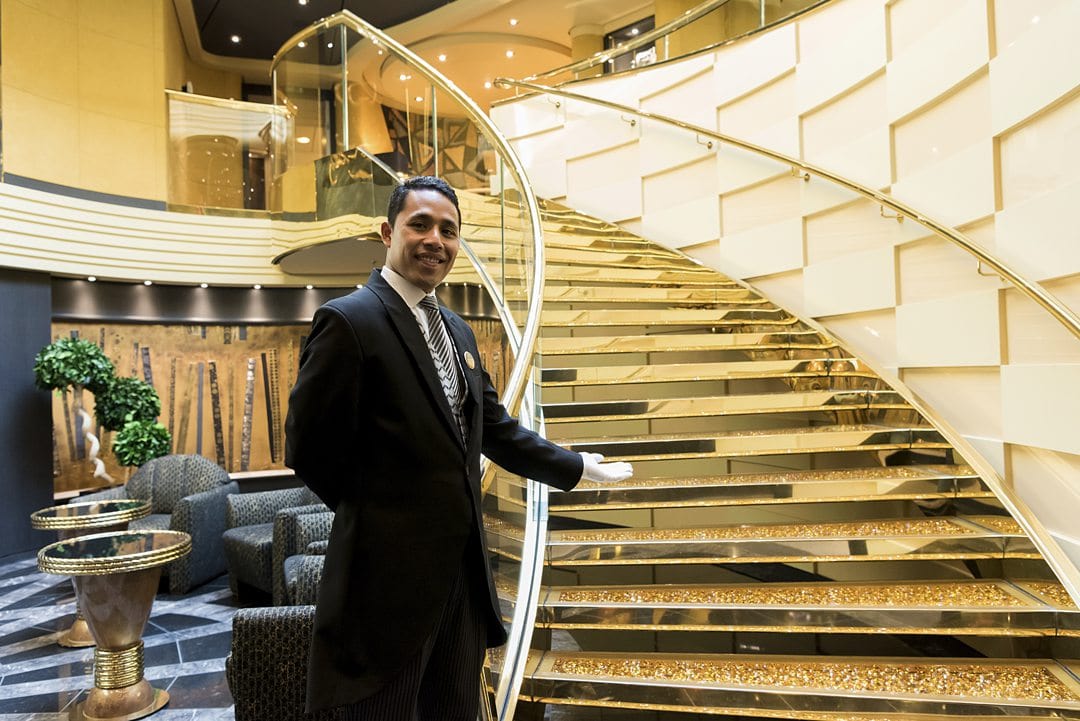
pixel 361 111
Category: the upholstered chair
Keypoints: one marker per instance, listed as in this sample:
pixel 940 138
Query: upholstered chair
pixel 255 553
pixel 267 669
pixel 186 493
pixel 304 569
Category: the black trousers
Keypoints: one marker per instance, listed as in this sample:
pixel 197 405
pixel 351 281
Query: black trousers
pixel 442 682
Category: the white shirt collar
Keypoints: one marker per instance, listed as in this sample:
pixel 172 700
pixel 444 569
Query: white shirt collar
pixel 408 292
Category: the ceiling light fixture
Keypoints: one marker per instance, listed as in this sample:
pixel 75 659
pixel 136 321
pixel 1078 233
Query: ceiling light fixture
pixel 1035 20
pixel 309 286
pixel 301 44
pixel 442 57
pixel 513 22
pixel 419 98
pixel 329 45
pixel 403 77
pixel 235 38
pixel 148 282
pixel 204 285
pixel 359 285
pixel 91 278
pixel 509 53
pixel 634 31
pixel 303 2
pixel 487 85
pixel 257 286
pixel 303 140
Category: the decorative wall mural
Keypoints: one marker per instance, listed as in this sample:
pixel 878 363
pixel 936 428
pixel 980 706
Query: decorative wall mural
pixel 224 390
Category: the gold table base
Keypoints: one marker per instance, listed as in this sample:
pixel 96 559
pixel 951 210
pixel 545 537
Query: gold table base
pixel 78 636
pixel 104 704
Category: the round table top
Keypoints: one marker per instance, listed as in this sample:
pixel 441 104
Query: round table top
pixel 117 552
pixel 90 514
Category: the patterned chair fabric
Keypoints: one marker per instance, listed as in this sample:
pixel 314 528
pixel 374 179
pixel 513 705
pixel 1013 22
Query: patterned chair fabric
pixel 186 493
pixel 304 573
pixel 294 529
pixel 267 669
pixel 249 541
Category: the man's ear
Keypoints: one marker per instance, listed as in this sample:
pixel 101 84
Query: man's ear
pixel 385 231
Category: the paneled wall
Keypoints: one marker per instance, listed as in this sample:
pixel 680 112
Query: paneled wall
pixel 968 110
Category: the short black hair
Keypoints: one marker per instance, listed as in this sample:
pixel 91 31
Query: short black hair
pixel 419 182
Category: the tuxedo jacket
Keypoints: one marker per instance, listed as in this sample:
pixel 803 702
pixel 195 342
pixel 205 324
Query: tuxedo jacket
pixel 369 429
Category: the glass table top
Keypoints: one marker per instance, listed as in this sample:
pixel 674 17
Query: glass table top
pixel 90 514
pixel 116 552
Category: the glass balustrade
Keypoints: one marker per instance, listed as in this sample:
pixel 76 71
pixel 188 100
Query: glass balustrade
pixel 358 112
pixel 219 152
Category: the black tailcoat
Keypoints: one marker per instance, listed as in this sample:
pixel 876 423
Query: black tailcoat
pixel 370 431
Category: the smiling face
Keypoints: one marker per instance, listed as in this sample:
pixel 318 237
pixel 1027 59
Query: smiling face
pixel 423 242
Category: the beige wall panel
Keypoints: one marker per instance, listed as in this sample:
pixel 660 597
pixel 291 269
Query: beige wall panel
pixel 909 20
pixel 48 137
pixel 971 397
pixel 664 147
pixel 532 115
pixel 744 66
pixel 955 191
pixel 58 9
pixel 685 97
pixel 819 195
pixel 646 83
pixel 1041 405
pixel 838 50
pixel 992 450
pixel 542 154
pixel 870 335
pixel 865 160
pixel 930 66
pixel 1034 336
pixel 590 129
pixel 1048 482
pixel 116 77
pixel 784 289
pixel 943 129
pixel 1042 155
pixel 30 33
pixel 935 268
pixel 675 217
pixel 737 168
pixel 1041 237
pixel 122 19
pixel 961 330
pixel 1047 51
pixel 117 155
pixel 766 105
pixel 606 184
pixel 760 205
pixel 853 228
pixel 1014 18
pixel 844 120
pixel 852 283
pixel 763 250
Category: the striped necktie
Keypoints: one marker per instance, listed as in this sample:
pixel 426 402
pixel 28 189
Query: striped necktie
pixel 438 341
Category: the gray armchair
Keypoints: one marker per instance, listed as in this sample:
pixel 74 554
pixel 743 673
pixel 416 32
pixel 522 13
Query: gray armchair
pixel 303 571
pixel 267 668
pixel 186 493
pixel 257 543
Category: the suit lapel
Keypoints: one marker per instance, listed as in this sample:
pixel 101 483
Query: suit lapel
pixel 408 330
pixel 463 345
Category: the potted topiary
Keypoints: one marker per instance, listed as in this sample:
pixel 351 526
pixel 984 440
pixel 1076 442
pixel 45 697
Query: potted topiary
pixel 74 363
pixel 140 441
pixel 123 400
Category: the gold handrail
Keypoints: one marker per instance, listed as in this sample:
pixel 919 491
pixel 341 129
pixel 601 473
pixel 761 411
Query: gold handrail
pixel 604 55
pixel 1032 289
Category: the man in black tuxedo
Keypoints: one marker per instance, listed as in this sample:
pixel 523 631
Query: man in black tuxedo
pixel 387 420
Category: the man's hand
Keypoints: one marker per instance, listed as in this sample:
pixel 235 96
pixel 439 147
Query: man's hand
pixel 594 470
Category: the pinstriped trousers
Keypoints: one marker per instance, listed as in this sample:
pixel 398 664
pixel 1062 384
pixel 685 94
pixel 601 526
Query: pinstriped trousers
pixel 441 683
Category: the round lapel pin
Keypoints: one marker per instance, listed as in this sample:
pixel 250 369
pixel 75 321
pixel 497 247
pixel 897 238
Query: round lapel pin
pixel 469 361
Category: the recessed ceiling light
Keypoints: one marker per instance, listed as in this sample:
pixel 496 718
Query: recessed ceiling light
pixel 204 285
pixel 303 2
pixel 235 38
pixel 509 53
pixel 513 22
pixel 303 140
pixel 329 45
pixel 301 44
pixel 442 57
pixel 380 52
pixel 487 85
pixel 403 77
pixel 257 286
pixel 419 98
pixel 91 278
pixel 1035 20
pixel 148 282
pixel 359 285
pixel 309 286
pixel 634 31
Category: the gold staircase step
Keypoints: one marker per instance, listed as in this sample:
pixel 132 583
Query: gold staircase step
pixel 633 276
pixel 786 368
pixel 786 441
pixel 598 345
pixel 706 318
pixel 799 687
pixel 922 482
pixel 762 403
pixel 968 607
pixel 890 539
pixel 666 296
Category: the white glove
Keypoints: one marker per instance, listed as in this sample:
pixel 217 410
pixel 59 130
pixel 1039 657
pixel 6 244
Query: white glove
pixel 594 470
